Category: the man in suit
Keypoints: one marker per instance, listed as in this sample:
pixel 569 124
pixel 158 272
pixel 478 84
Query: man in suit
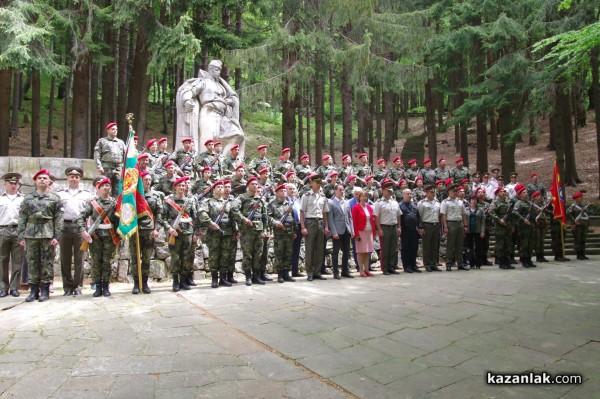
pixel 340 225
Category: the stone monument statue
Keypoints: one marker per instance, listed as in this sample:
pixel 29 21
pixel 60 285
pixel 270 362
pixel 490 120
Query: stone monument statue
pixel 208 108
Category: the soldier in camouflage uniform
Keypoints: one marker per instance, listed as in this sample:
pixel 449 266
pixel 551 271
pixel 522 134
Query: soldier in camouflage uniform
pixel 411 174
pixel 501 212
pixel 238 183
pixel 39 230
pixel 184 156
pixel 231 163
pixel 577 214
pixel 252 219
pixel 227 195
pixel 363 169
pixel 304 168
pixel 540 222
pixel 264 180
pixel 382 172
pixel 104 243
pixel 219 214
pixel 282 167
pixel 208 158
pixel 108 155
pixel 534 186
pixel 186 233
pixel 428 174
pixel 372 189
pixel 165 182
pixel 329 188
pixel 264 192
pixel 281 217
pixel 441 172
pixel 489 225
pixel 440 191
pixel 202 185
pixel 345 170
pixel 418 193
pixel 397 171
pixel 260 163
pixel 349 187
pixel 148 229
pixel 460 172
pixel 526 226
pixel 326 166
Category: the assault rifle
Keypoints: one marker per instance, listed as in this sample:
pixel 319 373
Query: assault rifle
pixel 257 202
pixel 508 212
pixel 219 217
pixel 176 224
pixel 542 209
pixel 92 230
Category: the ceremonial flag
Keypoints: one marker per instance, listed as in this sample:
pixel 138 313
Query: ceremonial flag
pixel 131 203
pixel 558 197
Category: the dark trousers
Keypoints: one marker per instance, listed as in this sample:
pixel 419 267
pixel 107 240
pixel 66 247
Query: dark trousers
pixel 296 251
pixel 69 248
pixel 389 247
pixel 314 248
pixel 343 243
pixel 410 246
pixel 474 242
pixel 11 254
pixel 431 244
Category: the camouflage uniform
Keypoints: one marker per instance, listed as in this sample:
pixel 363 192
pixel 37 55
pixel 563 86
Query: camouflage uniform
pixel 208 159
pixel 303 171
pixel 499 210
pixel 523 212
pixel 418 194
pixel 228 166
pixel 396 174
pixel 363 171
pixel 329 190
pixel 541 226
pixel 442 174
pixel 281 169
pixel 579 231
pixel 428 175
pixel 40 221
pixel 280 211
pixel 257 164
pixel 410 176
pixel 109 154
pixel 200 185
pixel 532 188
pixel 220 243
pixel 251 239
pixel 459 174
pixel 381 174
pixel 344 172
pixel 165 184
pixel 102 249
pixel 182 157
pixel 238 186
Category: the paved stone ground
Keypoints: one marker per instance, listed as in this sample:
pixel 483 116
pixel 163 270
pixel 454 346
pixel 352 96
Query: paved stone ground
pixel 432 335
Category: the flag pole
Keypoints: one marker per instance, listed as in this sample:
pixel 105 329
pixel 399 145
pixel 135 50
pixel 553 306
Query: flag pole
pixel 562 239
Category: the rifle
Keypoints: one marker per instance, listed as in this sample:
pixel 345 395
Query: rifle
pixel 200 197
pixel 253 211
pixel 581 212
pixel 508 212
pixel 286 213
pixel 542 209
pixel 188 159
pixel 529 211
pixel 176 224
pixel 219 217
pixel 92 230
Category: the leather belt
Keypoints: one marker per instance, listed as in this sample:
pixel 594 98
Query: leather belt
pixel 8 225
pixel 313 218
pixel 432 224
pixel 389 225
pixel 70 221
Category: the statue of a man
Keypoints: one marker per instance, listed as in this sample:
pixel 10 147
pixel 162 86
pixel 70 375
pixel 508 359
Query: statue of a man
pixel 208 108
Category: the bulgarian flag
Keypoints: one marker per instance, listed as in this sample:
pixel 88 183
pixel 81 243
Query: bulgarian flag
pixel 558 196
pixel 131 203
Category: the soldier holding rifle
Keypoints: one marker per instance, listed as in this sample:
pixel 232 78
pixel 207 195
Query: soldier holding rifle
pixel 577 214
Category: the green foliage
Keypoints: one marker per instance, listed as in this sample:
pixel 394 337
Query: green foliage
pixel 172 45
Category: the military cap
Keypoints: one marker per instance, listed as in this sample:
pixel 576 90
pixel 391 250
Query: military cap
pixel 162 140
pixel 370 177
pixel 453 187
pixel 289 174
pixel 363 155
pixel 388 184
pixel 285 150
pixel 102 182
pixel 333 173
pixel 346 157
pixel 418 178
pixel 182 179
pixel 218 143
pixel 136 138
pixel 485 174
pixel 477 174
pixel 314 176
pixel 280 187
pixel 186 139
pixel 260 147
pixel 459 159
pixel 441 159
pixel 41 172
pixel 381 160
pixel 519 188
pixel 143 155
pixel 326 157
pixel 218 183
pixel 206 169
pixel 305 156
pixel 513 174
pixel 533 174
pixel 251 179
pixel 465 180
pixel 426 160
pixel 396 159
pixel 110 125
pixel 577 195
pixel 496 191
pixel 401 181
pixel 169 163
pixel 11 177
pixel 438 182
pixel 150 142
pixel 144 174
pixel 448 181
pixel 240 166
pixel 495 170
pixel 209 141
pixel 351 177
pixel 535 194
pixel 73 170
pixel 263 170
pixel 430 188
pixel 411 161
pixel 500 177
pixel 235 147
pixel 226 181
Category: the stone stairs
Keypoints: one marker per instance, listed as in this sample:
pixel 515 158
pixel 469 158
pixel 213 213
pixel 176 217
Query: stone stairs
pixel 592 245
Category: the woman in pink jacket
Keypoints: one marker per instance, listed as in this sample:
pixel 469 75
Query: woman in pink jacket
pixel 364 232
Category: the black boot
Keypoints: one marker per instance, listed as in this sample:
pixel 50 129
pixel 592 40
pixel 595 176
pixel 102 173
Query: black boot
pixel 256 278
pixel 215 278
pixel 463 266
pixel 34 294
pixel 583 255
pixel 183 282
pixel 98 287
pixel 530 262
pixel 175 282
pixel 524 262
pixel 541 259
pixel 136 285
pixel 190 280
pixel 230 277
pixel 280 276
pixel 105 291
pixel 44 292
pixel 415 269
pixel 223 280
pixel 508 263
pixel 513 261
pixel 336 273
pixel 287 277
pixel 496 261
pixel 145 288
pixel 248 274
pixel 449 267
pixel 264 276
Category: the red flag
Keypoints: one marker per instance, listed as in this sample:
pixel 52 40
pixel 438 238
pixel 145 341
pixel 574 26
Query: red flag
pixel 558 197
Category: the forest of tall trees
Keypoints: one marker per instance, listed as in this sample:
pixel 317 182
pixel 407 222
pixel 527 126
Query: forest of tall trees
pixel 488 65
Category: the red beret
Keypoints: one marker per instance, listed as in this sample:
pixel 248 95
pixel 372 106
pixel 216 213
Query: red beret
pixel 363 155
pixel 290 173
pixel 143 155
pixel 251 179
pixel 427 160
pixel 396 159
pixel 448 181
pixel 305 156
pixel 263 170
pixel 498 190
pixel 218 143
pixel 369 177
pixel 519 188
pixel 42 172
pixel 351 177
pixel 410 162
pixel 326 157
pixel 535 194
pixel 418 178
pixel 150 142
pixel 186 139
pixel 441 159
pixel 240 166
pixel 533 174
pixel 110 125
pixel 218 183
pixel 479 190
pixel 438 182
pixel 381 160
pixel 235 147
pixel 144 173
pixel 101 182
pixel 577 195
pixel 209 141
pixel 206 169
pixel 260 147
pixel 182 179
pixel 226 181
pixel 465 180
pixel 285 150
pixel 346 157
pixel 401 181
pixel 459 159
pixel 280 187
pixel 135 138
pixel 162 140
pixel 333 173
pixel 169 163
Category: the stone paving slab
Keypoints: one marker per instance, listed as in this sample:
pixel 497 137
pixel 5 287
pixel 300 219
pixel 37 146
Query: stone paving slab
pixel 405 336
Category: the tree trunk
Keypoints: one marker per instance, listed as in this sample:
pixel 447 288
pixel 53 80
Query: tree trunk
pixel 331 111
pixel 238 32
pixel 494 130
pixel 107 108
pixel 94 131
pixel 405 113
pixel 14 122
pixel 440 103
pixel 298 111
pixel 307 110
pixel 66 93
pixel 79 113
pixel 378 118
pixel 288 118
pixel 36 107
pixel 595 94
pixel 388 117
pixel 368 120
pixel 122 81
pixel 360 124
pixel 163 101
pixel 139 88
pixel 319 102
pixel 563 110
pixel 482 143
pixel 430 120
pixel 5 77
pixel 507 150
pixel 532 130
pixel 346 92
pixel 50 114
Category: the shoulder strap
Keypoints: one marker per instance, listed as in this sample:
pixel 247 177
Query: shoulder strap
pixel 99 209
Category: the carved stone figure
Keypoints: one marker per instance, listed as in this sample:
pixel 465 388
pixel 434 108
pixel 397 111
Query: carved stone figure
pixel 208 108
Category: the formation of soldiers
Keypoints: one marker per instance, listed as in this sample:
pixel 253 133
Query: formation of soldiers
pixel 223 201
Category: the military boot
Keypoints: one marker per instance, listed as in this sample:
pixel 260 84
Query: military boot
pixel 190 280
pixel 145 288
pixel 223 279
pixel 34 294
pixel 215 278
pixel 264 276
pixel 541 259
pixel 248 274
pixel 183 282
pixel 508 263
pixel 287 277
pixel 256 277
pixel 105 290
pixel 449 266
pixel 98 287
pixel 175 282
pixel 530 262
pixel 524 262
pixel 136 285
pixel 44 292
pixel 280 276
pixel 230 277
